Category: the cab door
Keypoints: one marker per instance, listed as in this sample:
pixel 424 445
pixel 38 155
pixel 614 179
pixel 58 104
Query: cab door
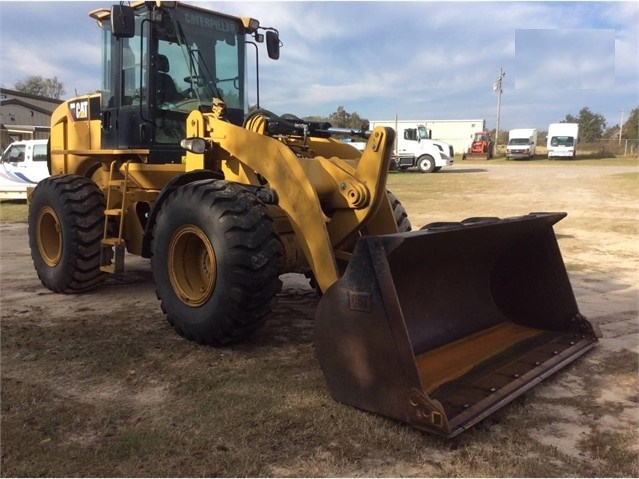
pixel 125 104
pixel 13 158
pixel 407 142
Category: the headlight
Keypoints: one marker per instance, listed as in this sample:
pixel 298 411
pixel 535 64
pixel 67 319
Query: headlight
pixel 195 145
pixel 251 24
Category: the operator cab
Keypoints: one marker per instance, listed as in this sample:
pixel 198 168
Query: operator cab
pixel 481 137
pixel 162 60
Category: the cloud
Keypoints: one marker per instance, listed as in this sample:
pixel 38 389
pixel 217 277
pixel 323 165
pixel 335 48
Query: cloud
pixel 50 39
pixel 417 59
pixel 563 59
pixel 65 60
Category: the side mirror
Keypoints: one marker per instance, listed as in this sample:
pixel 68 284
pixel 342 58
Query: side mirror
pixel 273 44
pixel 122 21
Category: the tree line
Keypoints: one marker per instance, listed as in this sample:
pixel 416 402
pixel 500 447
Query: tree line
pixel 37 85
pixel 592 126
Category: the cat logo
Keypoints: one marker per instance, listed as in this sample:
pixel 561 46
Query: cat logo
pixel 79 113
pixel 79 109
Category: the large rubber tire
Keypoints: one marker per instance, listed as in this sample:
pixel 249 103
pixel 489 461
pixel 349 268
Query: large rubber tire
pixel 399 213
pixel 216 259
pixel 426 164
pixel 66 225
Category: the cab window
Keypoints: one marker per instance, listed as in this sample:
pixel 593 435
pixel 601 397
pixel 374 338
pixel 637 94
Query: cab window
pixel 134 75
pixel 40 153
pixel 15 154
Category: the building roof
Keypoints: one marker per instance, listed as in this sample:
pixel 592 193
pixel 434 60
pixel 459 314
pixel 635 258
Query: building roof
pixel 27 105
pixel 4 92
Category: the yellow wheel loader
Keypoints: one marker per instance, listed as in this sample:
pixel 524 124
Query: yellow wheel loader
pixel 438 327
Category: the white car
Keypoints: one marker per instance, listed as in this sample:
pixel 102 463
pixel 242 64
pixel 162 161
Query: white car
pixel 24 164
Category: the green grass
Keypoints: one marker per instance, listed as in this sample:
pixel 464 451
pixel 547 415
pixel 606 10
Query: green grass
pixel 98 384
pixel 14 211
pixel 580 160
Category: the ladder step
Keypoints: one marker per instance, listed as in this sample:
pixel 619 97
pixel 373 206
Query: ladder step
pixel 112 249
pixel 112 256
pixel 112 241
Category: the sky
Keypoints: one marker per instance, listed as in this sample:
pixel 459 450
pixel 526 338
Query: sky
pixel 417 60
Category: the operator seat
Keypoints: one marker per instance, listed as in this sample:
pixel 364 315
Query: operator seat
pixel 166 89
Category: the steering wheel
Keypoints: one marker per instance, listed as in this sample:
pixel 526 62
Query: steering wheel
pixel 195 80
pixel 184 106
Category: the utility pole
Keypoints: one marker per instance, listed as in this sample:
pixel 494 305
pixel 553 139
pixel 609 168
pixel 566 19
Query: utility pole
pixel 497 88
pixel 620 127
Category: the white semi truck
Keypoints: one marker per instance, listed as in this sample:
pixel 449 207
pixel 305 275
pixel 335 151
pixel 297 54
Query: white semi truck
pixel 522 144
pixel 562 140
pixel 415 148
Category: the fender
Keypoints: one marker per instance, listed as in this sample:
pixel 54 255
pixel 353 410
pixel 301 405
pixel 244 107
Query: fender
pixel 168 189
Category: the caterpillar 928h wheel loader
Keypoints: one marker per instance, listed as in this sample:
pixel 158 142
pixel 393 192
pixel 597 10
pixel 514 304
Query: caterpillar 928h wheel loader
pixel 438 327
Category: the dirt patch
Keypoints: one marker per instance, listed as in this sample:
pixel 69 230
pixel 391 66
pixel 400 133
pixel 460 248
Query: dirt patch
pixel 98 384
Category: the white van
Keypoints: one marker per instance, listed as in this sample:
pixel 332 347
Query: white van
pixel 522 143
pixel 24 164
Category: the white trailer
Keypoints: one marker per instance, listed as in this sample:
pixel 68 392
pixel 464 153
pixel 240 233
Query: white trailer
pixel 456 132
pixel 522 143
pixel 562 140
pixel 415 148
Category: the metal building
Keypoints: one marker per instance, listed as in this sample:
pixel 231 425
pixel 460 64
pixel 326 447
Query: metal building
pixel 458 133
pixel 24 116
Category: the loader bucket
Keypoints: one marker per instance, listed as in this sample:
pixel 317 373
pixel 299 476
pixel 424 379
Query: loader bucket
pixel 441 327
pixel 477 156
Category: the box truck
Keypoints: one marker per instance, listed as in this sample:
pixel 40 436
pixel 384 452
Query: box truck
pixel 522 143
pixel 415 148
pixel 562 140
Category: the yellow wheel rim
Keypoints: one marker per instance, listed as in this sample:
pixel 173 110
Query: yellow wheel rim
pixel 192 265
pixel 49 236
